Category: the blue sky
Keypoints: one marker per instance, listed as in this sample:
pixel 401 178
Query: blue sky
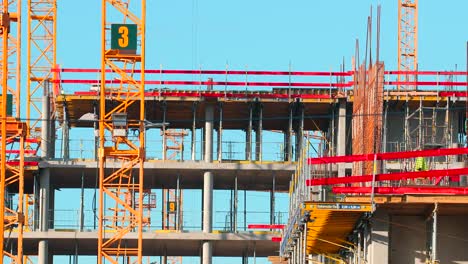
pixel 264 35
pixel 312 35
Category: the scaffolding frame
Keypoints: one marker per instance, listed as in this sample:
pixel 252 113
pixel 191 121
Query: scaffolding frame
pixel 13 133
pixel 122 188
pixel 41 50
pixel 407 42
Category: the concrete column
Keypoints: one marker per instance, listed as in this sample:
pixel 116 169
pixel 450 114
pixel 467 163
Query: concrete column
pixel 65 136
pixel 194 130
pixel 300 133
pixel 341 136
pixel 272 201
pixel 163 129
pixel 220 133
pixel 288 135
pixel 378 248
pixel 44 198
pixel 248 136
pixel 258 134
pixel 208 184
pixel 434 234
pixel 45 125
pixel 236 200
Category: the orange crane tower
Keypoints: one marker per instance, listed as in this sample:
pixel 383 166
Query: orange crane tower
pixel 407 41
pixel 13 132
pixel 123 50
pixel 42 46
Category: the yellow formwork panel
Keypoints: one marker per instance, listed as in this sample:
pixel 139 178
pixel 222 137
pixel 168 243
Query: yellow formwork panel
pixel 330 224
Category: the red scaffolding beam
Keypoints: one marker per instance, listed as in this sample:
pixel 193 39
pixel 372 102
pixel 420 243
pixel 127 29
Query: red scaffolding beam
pixel 389 155
pixel 401 190
pixel 388 177
pixel 260 226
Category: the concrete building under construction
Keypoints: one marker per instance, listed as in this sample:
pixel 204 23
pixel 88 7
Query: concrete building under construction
pixel 373 160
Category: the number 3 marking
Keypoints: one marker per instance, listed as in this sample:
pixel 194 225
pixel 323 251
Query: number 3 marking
pixel 123 40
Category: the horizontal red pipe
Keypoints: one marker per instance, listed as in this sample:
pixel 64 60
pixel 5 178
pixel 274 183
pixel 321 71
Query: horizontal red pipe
pixel 215 72
pixel 276 239
pixel 17 151
pixel 284 84
pixel 389 155
pixel 426 83
pixel 453 93
pixel 265 226
pixel 387 177
pixel 221 83
pixel 401 190
pixel 28 140
pixel 26 163
pixel 222 94
pixel 248 72
pixel 425 72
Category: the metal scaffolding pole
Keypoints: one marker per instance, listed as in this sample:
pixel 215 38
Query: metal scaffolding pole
pixel 272 200
pixel 236 199
pixel 300 133
pixel 220 133
pixel 258 136
pixel 248 136
pixel 288 136
pixel 163 131
pixel 194 131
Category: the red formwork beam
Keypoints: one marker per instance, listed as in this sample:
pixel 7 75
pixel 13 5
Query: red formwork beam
pixel 220 94
pixel 219 83
pixel 17 151
pixel 276 239
pixel 387 177
pixel 440 73
pixel 453 93
pixel 26 163
pixel 402 190
pixel 261 226
pixel 389 155
pixel 260 84
pixel 250 72
pixel 214 72
pixel 427 83
pixel 348 84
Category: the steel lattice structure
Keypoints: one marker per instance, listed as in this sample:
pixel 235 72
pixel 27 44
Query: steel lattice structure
pixel 121 187
pixel 13 133
pixel 407 41
pixel 42 43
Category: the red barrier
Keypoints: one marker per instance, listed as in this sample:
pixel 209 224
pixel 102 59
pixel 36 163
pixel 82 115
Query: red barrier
pixel 26 163
pixel 214 72
pixel 389 155
pixel 276 239
pixel 17 151
pixel 401 190
pixel 388 177
pixel 265 226
pixel 219 83
pixel 222 94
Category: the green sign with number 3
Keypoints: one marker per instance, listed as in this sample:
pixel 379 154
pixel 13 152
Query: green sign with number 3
pixel 124 37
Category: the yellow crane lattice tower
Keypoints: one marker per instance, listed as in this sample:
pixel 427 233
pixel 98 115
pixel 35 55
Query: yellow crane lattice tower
pixel 173 198
pixel 123 50
pixel 42 43
pixel 407 41
pixel 12 135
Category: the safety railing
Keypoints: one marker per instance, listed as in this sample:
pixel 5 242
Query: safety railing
pixel 84 149
pixel 86 220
